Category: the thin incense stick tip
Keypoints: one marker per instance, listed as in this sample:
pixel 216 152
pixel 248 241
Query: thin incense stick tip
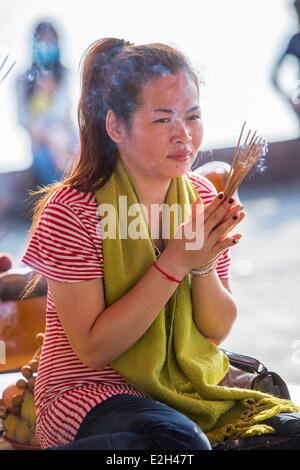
pixel 244 159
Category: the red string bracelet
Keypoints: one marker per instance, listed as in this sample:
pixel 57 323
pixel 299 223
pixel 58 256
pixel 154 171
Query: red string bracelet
pixel 171 278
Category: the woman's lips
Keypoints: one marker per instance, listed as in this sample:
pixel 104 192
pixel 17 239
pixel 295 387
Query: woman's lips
pixel 182 157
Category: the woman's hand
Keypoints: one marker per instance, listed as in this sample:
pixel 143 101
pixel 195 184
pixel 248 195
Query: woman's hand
pixel 218 219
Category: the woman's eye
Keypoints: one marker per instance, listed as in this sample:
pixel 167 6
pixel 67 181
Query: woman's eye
pixel 163 120
pixel 194 117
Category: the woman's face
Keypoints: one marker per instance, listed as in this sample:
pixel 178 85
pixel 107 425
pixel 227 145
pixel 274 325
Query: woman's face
pixel 166 130
pixel 46 49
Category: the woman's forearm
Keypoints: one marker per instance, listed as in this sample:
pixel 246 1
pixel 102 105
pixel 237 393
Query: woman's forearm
pixel 123 323
pixel 214 308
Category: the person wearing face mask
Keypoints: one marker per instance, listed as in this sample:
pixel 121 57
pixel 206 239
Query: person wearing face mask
pixel 44 107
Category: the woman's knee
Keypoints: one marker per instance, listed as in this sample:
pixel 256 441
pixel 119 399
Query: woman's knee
pixel 285 424
pixel 180 438
pixel 176 432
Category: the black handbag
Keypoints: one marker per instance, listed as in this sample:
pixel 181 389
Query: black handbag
pixel 248 372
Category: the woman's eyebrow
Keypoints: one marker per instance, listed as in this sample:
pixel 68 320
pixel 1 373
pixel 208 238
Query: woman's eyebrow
pixel 171 111
pixel 163 110
pixel 194 108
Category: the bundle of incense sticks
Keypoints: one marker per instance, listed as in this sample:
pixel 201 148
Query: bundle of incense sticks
pixel 9 69
pixel 244 159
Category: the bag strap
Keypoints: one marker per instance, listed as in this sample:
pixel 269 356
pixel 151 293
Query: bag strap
pixel 246 363
pixel 265 381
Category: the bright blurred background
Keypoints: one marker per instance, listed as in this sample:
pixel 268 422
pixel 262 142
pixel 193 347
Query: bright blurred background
pixel 234 44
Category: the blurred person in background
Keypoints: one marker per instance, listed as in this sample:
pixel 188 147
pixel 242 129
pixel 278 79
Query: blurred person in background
pixel 293 48
pixel 44 107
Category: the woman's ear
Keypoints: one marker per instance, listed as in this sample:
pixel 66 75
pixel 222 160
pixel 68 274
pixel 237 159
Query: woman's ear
pixel 114 127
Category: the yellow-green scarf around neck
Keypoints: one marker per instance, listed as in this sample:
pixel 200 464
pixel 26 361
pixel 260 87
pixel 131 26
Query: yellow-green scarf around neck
pixel 177 365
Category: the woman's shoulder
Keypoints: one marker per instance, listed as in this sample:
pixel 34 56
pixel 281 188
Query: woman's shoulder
pixel 73 198
pixel 65 245
pixel 78 204
pixel 205 187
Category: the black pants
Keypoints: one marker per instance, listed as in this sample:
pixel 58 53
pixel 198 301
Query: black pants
pixel 285 424
pixel 126 422
pixel 286 437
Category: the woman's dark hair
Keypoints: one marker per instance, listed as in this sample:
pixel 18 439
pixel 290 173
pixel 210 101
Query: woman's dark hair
pixel 55 68
pixel 113 75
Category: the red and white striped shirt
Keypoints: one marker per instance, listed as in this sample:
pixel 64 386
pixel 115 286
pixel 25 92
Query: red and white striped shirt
pixel 66 247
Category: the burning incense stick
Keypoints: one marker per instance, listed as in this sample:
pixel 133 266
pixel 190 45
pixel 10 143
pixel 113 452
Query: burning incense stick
pixel 244 159
pixel 10 68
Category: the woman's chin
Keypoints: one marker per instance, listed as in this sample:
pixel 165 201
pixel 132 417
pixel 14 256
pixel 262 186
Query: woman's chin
pixel 180 169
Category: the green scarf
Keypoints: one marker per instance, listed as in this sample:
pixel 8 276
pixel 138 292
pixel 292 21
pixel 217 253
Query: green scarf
pixel 177 365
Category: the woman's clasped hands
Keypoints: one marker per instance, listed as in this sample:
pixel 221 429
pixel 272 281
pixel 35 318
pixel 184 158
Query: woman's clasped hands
pixel 201 240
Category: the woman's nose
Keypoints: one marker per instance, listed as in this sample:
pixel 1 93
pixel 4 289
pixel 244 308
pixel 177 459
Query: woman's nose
pixel 182 134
